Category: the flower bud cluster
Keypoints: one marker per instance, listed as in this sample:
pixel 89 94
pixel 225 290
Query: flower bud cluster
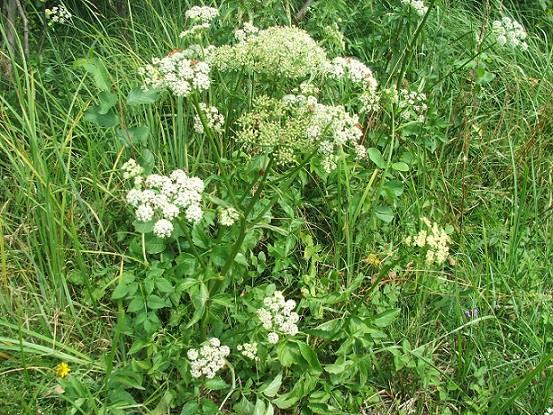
pixel 412 105
pixel 176 73
pixel 163 198
pixel 215 121
pixel 57 14
pixel 435 239
pixel 202 16
pixel 277 316
pixel 509 32
pixel 208 359
pixel 417 5
pixel 248 350
pixel 353 69
pixel 228 216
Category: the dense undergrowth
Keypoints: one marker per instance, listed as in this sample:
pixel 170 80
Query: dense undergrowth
pixel 329 239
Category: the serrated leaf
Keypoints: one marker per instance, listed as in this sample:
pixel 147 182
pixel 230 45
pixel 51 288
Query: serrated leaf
pixel 259 408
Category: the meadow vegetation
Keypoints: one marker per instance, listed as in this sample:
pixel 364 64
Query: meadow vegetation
pixel 277 207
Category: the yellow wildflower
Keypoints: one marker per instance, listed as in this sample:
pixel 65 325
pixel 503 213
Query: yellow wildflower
pixel 62 370
pixel 372 259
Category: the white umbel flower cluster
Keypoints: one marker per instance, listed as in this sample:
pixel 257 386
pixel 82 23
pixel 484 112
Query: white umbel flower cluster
pixel 208 359
pixel 202 16
pixel 57 14
pixel 163 198
pixel 248 350
pixel 508 32
pixel 277 316
pixel 177 73
pixel 417 5
pixel 435 239
pixel 353 69
pixel 215 120
pixel 228 216
pixel 412 105
pixel 247 32
pixel 331 126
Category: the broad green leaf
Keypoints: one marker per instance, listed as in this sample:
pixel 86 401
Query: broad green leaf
pixel 190 408
pixel 135 305
pixel 155 302
pixel 120 291
pixel 271 389
pixel 95 67
pixel 163 285
pixel 400 166
pixel 310 356
pixel 134 135
pixel 108 120
pixel 107 101
pixel 386 318
pixel 138 96
pixel 384 213
pixel 376 157
pixel 259 408
pixel 216 384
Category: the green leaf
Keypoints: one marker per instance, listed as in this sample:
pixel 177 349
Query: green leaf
pixel 154 244
pixel 384 213
pixel 120 291
pixel 310 356
pixel 155 302
pixel 376 157
pixel 143 227
pixel 400 166
pixel 138 96
pixel 133 136
pixel 95 67
pixel 386 318
pixel 94 115
pixel 199 297
pixel 271 389
pixel 190 408
pixel 337 368
pixel 107 101
pixel 137 304
pixel 259 408
pixel 216 384
pixel 163 285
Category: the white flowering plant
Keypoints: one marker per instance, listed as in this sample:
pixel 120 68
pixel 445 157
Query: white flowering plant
pixel 221 147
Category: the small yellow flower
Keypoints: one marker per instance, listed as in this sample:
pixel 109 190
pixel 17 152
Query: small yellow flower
pixel 62 370
pixel 372 259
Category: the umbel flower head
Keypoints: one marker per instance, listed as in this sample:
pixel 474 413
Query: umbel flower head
pixel 214 120
pixel 299 124
pixel 57 14
pixel 417 5
pixel 286 52
pixel 163 198
pixel 508 32
pixel 208 359
pixel 277 316
pixel 202 17
pixel 177 73
pixel 435 239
